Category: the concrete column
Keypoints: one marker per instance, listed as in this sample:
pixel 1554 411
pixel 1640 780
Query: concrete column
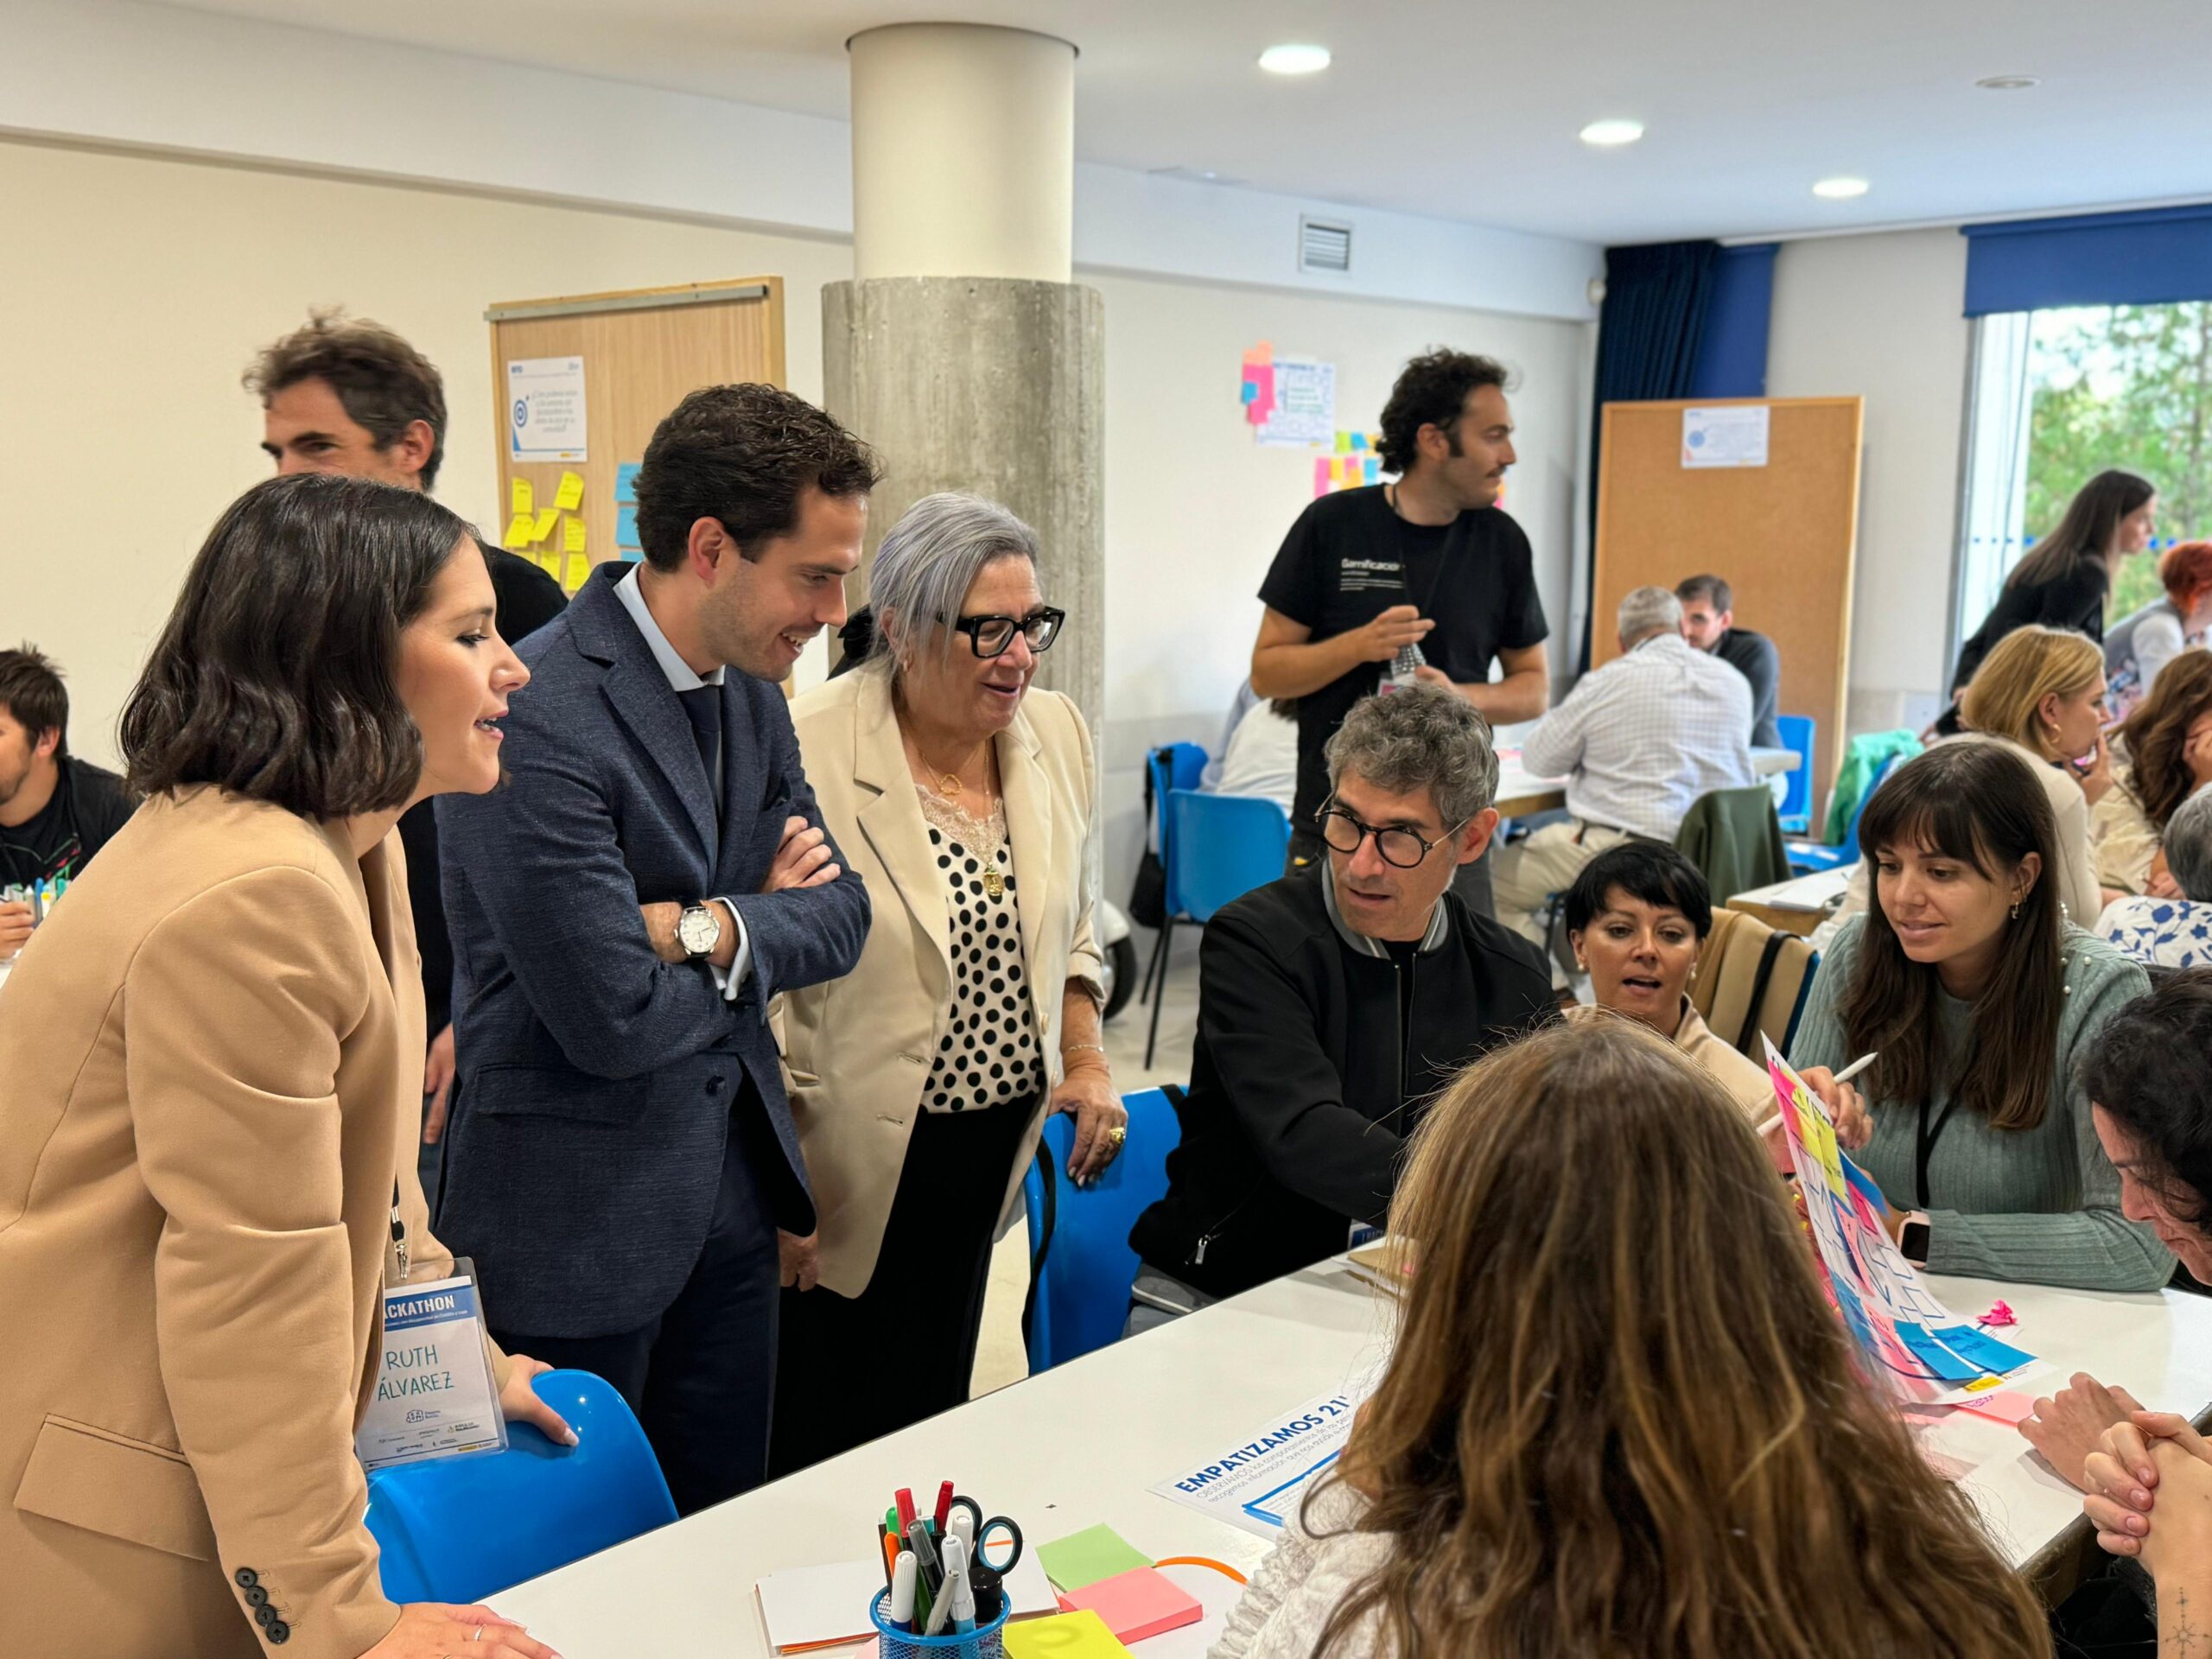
pixel 962 352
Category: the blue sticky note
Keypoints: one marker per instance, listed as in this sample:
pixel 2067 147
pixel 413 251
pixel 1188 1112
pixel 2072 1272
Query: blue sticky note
pixel 1939 1360
pixel 1251 393
pixel 1374 468
pixel 1979 1348
pixel 1358 441
pixel 626 480
pixel 632 555
pixel 626 526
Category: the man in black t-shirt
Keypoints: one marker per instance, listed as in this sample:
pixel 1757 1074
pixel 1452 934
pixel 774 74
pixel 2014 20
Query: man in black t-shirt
pixel 1709 624
pixel 345 394
pixel 56 812
pixel 1429 561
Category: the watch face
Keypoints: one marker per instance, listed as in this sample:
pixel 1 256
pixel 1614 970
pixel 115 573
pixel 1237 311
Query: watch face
pixel 696 931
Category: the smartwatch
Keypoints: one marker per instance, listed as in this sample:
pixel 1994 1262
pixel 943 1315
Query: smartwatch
pixel 698 929
pixel 1913 1240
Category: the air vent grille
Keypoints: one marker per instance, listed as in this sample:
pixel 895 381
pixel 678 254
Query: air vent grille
pixel 1324 245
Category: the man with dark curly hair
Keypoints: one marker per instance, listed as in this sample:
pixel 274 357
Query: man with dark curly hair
pixel 1424 579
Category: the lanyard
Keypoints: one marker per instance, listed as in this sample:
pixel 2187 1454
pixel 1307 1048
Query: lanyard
pixel 398 1232
pixel 1924 1146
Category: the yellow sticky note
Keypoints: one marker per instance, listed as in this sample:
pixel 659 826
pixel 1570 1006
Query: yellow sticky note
pixel 579 571
pixel 552 562
pixel 570 496
pixel 572 535
pixel 1081 1635
pixel 522 502
pixel 1344 443
pixel 519 532
pixel 546 517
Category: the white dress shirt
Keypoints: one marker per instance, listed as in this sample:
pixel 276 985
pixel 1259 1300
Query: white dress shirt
pixel 681 678
pixel 1261 758
pixel 1639 740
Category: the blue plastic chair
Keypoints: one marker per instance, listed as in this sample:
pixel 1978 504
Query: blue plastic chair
pixel 1081 1263
pixel 1223 847
pixel 1808 857
pixel 1799 733
pixel 461 1528
pixel 1169 767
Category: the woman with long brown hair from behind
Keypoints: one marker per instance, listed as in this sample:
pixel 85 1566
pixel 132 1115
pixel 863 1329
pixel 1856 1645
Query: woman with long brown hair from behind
pixel 2168 743
pixel 1620 1418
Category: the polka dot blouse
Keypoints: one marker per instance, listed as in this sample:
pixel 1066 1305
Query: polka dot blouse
pixel 989 1053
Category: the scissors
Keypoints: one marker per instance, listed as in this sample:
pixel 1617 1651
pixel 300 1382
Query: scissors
pixel 992 1532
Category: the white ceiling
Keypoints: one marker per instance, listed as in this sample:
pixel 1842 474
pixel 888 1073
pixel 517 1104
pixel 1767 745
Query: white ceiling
pixel 1469 111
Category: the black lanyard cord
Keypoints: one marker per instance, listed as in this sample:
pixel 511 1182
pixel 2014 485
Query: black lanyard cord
pixel 1925 1148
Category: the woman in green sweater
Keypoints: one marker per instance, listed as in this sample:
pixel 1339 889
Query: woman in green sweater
pixel 1978 996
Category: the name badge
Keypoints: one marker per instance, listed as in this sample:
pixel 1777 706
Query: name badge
pixel 435 1396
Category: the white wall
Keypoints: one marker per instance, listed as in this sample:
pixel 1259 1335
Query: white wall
pixel 1882 316
pixel 138 287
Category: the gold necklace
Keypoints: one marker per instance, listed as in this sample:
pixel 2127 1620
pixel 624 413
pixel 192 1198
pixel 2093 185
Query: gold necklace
pixel 949 786
pixel 993 878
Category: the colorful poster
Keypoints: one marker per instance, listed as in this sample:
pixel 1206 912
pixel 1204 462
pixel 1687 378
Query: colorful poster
pixel 1303 409
pixel 1733 435
pixel 1254 1485
pixel 545 409
pixel 1919 1349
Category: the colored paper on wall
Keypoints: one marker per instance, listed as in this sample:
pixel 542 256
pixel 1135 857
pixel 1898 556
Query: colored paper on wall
pixel 1303 407
pixel 1321 480
pixel 519 532
pixel 1087 1556
pixel 1064 1636
pixel 632 555
pixel 1262 352
pixel 572 537
pixel 520 501
pixel 578 573
pixel 570 496
pixel 626 480
pixel 1358 441
pixel 1344 443
pixel 1372 469
pixel 546 517
pixel 625 525
pixel 1260 378
pixel 549 562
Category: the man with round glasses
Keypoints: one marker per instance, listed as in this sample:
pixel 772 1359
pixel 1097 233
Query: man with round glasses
pixel 1331 1010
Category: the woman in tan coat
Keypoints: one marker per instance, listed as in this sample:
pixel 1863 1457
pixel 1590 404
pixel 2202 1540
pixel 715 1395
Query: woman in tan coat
pixel 213 1056
pixel 920 1081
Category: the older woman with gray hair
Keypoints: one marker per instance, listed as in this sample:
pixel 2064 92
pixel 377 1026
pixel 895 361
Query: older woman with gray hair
pixel 2172 932
pixel 920 1081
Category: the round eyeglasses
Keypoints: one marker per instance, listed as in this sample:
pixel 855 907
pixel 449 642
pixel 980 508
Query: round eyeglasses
pixel 993 636
pixel 1400 848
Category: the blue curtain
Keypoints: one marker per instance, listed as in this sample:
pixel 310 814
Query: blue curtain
pixel 1649 332
pixel 1732 357
pixel 2156 256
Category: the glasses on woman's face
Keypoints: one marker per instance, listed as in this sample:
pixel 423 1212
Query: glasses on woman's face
pixel 993 636
pixel 1400 848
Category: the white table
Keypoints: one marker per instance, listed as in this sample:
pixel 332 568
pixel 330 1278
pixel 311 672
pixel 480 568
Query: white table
pixel 1081 1444
pixel 1521 792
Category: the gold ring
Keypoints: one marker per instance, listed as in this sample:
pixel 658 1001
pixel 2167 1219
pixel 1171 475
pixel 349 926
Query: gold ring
pixel 1118 1134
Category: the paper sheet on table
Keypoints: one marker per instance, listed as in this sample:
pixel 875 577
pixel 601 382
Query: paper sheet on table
pixel 1919 1348
pixel 809 1606
pixel 1818 890
pixel 1253 1485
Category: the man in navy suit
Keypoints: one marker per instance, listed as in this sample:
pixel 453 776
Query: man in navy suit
pixel 621 1163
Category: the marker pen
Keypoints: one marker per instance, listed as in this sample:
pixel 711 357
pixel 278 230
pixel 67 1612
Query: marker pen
pixel 901 1610
pixel 955 1570
pixel 944 1505
pixel 925 1557
pixel 963 1599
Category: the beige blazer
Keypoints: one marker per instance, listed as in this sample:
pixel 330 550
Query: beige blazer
pixel 857 1050
pixel 2126 842
pixel 1745 1081
pixel 213 1057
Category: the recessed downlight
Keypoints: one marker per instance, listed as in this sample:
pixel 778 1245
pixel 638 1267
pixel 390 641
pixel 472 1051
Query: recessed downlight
pixel 1613 133
pixel 2008 83
pixel 1295 58
pixel 1839 189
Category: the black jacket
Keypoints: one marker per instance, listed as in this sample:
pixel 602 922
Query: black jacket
pixel 527 598
pixel 89 806
pixel 1754 657
pixel 1311 1071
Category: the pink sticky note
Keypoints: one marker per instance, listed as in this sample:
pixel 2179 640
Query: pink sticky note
pixel 2009 1406
pixel 1142 1602
pixel 1321 474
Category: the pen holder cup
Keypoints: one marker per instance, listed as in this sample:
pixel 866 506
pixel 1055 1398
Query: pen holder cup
pixel 986 1641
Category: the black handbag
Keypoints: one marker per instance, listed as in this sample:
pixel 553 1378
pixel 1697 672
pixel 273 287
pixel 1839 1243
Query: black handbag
pixel 1148 891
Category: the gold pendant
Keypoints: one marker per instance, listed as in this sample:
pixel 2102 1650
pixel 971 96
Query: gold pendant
pixel 949 785
pixel 994 883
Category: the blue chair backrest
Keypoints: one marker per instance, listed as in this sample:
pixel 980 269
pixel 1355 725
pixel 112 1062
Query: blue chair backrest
pixel 1799 733
pixel 461 1528
pixel 1225 846
pixel 1174 766
pixel 1851 853
pixel 1081 1300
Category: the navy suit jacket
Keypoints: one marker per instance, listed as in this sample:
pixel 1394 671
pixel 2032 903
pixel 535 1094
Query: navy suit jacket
pixel 597 1083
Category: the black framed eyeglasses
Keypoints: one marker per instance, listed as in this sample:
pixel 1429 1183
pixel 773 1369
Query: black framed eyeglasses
pixel 1400 848
pixel 993 636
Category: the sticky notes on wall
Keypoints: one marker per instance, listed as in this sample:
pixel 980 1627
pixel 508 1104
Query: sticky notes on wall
pixel 626 480
pixel 519 534
pixel 572 537
pixel 570 496
pixel 626 526
pixel 578 573
pixel 546 517
pixel 520 501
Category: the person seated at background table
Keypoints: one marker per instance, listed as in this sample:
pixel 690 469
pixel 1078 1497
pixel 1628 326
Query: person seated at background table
pixel 946 775
pixel 1638 917
pixel 2041 695
pixel 1709 624
pixel 56 811
pixel 1261 758
pixel 1978 997
pixel 1333 1004
pixel 2172 932
pixel 2138 647
pixel 2165 755
pixel 2067 577
pixel 1620 1416
pixel 1638 741
pixel 213 1057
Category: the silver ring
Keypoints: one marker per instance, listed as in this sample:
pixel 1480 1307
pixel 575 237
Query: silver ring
pixel 477 1635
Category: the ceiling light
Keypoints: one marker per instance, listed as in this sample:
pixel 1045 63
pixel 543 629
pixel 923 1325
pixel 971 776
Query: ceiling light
pixel 2008 83
pixel 1839 189
pixel 1294 59
pixel 1607 135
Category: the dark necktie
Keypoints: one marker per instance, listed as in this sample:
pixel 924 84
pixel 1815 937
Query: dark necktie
pixel 703 705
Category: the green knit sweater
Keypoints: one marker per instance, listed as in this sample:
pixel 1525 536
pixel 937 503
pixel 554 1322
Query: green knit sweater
pixel 2036 1206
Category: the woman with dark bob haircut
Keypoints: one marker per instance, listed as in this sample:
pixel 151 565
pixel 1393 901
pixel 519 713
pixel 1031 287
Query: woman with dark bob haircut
pixel 1979 999
pixel 214 1054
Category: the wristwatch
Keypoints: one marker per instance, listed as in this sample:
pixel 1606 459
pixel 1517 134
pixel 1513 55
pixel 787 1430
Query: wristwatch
pixel 698 929
pixel 1912 1239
